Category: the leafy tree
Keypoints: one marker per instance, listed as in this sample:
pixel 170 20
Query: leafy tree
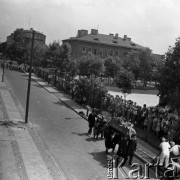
pixel 112 65
pixel 20 48
pixel 124 80
pixel 90 64
pixel 157 67
pixel 146 63
pixel 169 81
pixel 140 63
pixel 53 54
pixel 132 63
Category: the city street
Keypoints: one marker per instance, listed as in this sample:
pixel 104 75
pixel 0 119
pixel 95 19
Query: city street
pixel 62 130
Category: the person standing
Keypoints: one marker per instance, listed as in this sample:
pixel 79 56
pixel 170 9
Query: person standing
pixel 108 139
pixel 174 150
pixel 91 121
pixel 49 78
pixel 164 153
pixel 131 148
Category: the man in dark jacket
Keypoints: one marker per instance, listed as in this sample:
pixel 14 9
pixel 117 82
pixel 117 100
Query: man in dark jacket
pixel 131 148
pixel 91 120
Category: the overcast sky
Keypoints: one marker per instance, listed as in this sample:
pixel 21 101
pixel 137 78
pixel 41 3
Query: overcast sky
pixel 150 23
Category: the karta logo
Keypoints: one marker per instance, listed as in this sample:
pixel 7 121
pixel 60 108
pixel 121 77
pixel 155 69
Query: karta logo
pixel 146 171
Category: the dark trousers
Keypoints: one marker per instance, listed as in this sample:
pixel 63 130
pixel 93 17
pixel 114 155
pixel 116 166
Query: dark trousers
pixel 90 130
pixel 130 157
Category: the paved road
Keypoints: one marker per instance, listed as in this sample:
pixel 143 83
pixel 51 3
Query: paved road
pixel 62 130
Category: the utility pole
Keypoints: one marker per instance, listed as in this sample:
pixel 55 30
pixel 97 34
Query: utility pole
pixel 3 66
pixel 29 79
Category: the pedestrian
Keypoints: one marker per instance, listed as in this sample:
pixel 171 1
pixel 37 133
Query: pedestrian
pixel 102 127
pixel 164 153
pixel 96 130
pixel 174 150
pixel 131 148
pixel 49 78
pixel 91 121
pixel 116 140
pixel 73 89
pixel 108 139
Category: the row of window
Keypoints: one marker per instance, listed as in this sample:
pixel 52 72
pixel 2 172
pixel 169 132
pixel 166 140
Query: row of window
pixel 100 52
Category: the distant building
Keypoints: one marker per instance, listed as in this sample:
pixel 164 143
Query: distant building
pixel 39 40
pixel 3 47
pixel 158 56
pixel 101 44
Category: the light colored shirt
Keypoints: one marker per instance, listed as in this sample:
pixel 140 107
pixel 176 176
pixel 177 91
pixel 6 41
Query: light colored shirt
pixel 165 146
pixel 175 150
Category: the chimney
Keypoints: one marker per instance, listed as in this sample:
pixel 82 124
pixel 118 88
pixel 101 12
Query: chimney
pixel 82 32
pixel 111 34
pixel 125 37
pixel 94 32
pixel 129 39
pixel 116 36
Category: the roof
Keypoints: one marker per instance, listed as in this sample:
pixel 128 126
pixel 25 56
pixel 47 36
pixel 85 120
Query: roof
pixel 107 40
pixel 158 56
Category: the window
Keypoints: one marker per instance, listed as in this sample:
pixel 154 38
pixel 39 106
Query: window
pixel 101 52
pixel 84 49
pixel 116 53
pixel 110 52
pixel 95 51
pixel 89 49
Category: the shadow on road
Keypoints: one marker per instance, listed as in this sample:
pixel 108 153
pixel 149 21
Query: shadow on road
pixel 80 134
pixel 100 157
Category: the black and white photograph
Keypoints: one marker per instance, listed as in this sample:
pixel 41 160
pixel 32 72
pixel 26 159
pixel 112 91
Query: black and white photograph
pixel 89 89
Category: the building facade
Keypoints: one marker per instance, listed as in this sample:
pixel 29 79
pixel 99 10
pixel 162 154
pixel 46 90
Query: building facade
pixel 39 39
pixel 101 44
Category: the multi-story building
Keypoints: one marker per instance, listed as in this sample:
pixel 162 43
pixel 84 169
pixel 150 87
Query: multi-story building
pixel 101 44
pixel 39 39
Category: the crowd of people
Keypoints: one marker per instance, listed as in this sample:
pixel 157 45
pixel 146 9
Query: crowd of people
pixel 126 141
pixel 161 121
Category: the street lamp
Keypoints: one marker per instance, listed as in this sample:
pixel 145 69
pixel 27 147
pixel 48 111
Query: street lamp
pixel 29 79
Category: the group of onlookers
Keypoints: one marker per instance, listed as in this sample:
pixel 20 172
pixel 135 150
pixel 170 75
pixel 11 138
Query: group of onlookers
pixel 157 120
pixel 126 143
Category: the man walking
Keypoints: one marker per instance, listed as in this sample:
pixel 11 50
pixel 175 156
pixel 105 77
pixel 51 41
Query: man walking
pixel 91 120
pixel 131 148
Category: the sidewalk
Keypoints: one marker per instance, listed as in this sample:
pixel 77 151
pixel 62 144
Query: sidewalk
pixel 150 145
pixel 20 158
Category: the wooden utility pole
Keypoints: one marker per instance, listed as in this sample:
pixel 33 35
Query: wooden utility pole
pixel 29 79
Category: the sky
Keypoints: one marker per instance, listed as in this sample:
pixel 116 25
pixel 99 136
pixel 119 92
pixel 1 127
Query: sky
pixel 150 23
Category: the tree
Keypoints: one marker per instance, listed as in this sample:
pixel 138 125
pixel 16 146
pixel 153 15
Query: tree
pixel 132 63
pixel 53 54
pixel 112 65
pixel 146 63
pixel 20 48
pixel 140 63
pixel 90 64
pixel 169 81
pixel 124 80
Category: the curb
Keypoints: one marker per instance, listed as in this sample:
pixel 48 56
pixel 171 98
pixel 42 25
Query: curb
pixel 58 98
